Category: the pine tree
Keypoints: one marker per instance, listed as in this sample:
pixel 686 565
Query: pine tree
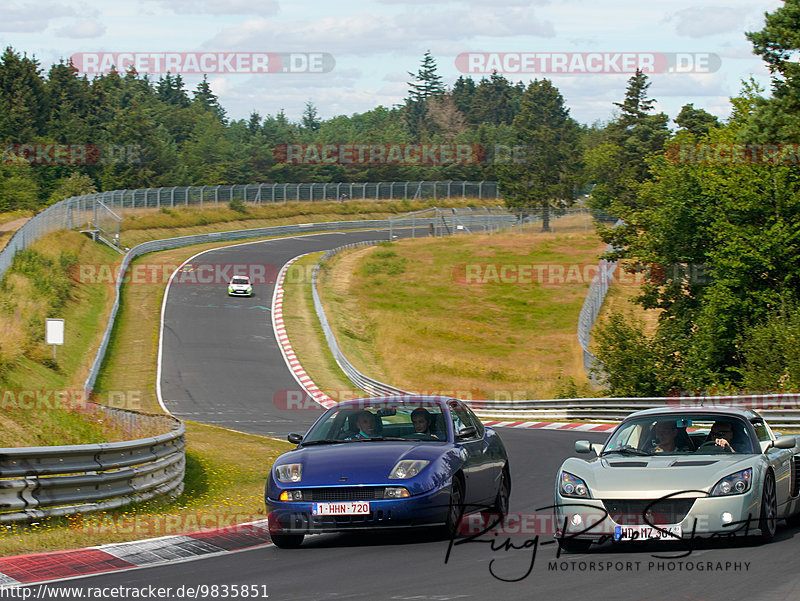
pixel 204 97
pixel 311 121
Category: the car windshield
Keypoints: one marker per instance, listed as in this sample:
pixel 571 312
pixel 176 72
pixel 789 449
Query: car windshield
pixel 240 281
pixel 369 421
pixel 681 434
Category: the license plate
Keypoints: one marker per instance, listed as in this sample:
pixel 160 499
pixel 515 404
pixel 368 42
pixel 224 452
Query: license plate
pixel 348 508
pixel 627 533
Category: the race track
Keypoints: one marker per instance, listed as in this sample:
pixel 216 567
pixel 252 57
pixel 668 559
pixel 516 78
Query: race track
pixel 222 366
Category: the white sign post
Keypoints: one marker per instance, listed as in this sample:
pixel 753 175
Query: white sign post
pixel 54 333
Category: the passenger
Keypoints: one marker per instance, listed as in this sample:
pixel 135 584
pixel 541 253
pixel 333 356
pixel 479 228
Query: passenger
pixel 666 434
pixel 422 420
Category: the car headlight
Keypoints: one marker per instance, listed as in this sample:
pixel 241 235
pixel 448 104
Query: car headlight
pixel 572 486
pixel 289 472
pixel 735 484
pixel 407 468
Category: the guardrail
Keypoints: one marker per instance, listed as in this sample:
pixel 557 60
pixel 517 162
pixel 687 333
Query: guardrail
pixel 776 408
pixel 39 482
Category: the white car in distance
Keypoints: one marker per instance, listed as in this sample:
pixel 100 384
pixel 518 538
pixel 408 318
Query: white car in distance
pixel 240 286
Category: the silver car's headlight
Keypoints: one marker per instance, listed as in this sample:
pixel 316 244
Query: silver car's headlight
pixel 735 484
pixel 289 472
pixel 407 468
pixel 571 486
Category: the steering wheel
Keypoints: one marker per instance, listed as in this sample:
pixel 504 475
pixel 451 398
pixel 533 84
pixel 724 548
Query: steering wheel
pixel 710 444
pixel 419 436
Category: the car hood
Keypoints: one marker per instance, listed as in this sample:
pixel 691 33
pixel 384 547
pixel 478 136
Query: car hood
pixel 624 477
pixel 239 286
pixel 355 463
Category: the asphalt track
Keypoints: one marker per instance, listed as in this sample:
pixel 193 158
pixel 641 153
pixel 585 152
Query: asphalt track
pixel 222 366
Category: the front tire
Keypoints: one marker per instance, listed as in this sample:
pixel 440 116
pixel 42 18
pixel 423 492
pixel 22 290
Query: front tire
pixel 455 509
pixel 500 508
pixel 768 518
pixel 287 541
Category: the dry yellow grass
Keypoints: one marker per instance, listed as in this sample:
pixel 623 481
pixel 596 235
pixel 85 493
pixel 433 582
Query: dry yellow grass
pixel 402 316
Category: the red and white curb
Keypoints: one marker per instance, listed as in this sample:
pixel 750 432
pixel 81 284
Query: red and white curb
pixel 286 348
pixel 576 427
pixel 61 565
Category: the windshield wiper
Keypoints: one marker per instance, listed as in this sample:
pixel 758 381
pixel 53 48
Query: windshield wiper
pixel 378 438
pixel 323 441
pixel 626 450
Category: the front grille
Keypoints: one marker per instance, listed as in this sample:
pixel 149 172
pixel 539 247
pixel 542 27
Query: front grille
pixel 659 512
pixel 343 493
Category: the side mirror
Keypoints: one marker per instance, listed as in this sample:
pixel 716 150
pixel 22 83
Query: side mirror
pixel 467 432
pixel 583 446
pixel 294 438
pixel 785 442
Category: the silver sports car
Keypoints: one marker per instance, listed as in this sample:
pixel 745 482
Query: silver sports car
pixel 677 473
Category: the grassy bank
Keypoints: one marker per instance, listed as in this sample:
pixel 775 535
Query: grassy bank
pixel 438 315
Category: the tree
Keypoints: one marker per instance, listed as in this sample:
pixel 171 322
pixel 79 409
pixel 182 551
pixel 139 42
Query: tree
pixel 546 174
pixel 696 121
pixel 23 102
pixel 310 120
pixel 427 84
pixel 205 98
pixel 618 163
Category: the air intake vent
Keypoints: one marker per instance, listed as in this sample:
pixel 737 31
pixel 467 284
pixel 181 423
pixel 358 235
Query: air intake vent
pixel 795 489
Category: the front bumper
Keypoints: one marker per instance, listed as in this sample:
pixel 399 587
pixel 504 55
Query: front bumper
pixel 593 519
pixel 232 292
pixel 295 517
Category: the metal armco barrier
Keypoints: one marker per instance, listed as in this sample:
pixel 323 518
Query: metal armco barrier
pixel 39 482
pixel 780 410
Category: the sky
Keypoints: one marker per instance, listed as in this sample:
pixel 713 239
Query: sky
pixel 361 53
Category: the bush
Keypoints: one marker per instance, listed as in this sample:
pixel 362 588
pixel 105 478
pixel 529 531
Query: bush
pixel 237 204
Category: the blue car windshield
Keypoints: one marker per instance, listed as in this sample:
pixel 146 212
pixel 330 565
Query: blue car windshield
pixel 377 422
pixel 680 434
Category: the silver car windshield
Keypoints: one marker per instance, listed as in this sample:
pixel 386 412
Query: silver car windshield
pixel 240 281
pixel 672 434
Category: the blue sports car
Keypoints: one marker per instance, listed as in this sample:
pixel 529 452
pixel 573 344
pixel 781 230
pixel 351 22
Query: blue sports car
pixel 388 462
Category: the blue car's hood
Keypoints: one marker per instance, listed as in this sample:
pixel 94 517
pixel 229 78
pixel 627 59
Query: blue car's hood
pixel 354 463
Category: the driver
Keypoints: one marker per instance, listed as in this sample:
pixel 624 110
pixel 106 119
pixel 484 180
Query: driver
pixel 722 435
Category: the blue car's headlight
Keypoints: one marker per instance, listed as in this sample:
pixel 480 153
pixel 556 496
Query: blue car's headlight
pixel 735 484
pixel 289 472
pixel 571 486
pixel 407 468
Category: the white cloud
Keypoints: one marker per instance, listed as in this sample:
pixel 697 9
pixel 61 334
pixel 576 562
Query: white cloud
pixel 221 7
pixel 372 33
pixel 703 21
pixel 88 28
pixel 31 18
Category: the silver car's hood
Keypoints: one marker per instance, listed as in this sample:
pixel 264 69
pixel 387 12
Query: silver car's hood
pixel 629 477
